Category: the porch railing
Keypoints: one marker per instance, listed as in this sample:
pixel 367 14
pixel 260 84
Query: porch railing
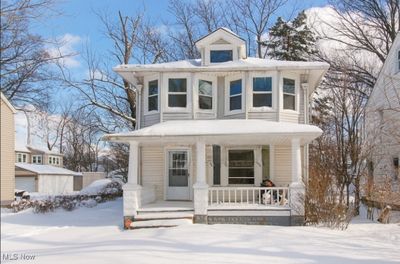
pixel 256 196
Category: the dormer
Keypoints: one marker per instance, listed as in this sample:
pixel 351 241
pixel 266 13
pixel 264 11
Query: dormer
pixel 222 45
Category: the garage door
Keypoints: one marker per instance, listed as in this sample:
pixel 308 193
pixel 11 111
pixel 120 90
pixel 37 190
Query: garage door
pixel 25 183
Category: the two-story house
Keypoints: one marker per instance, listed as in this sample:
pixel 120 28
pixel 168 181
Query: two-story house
pixel 34 155
pixel 382 120
pixel 212 130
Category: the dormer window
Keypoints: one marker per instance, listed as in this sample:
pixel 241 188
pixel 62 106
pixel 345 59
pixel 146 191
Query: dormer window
pixel 220 56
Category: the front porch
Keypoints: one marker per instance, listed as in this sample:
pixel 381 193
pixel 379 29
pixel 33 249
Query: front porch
pixel 170 164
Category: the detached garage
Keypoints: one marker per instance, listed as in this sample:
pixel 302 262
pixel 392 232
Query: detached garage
pixel 44 179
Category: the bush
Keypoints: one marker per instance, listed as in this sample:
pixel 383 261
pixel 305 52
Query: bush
pixel 69 202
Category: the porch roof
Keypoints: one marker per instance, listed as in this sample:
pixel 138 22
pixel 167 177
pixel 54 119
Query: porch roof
pixel 243 131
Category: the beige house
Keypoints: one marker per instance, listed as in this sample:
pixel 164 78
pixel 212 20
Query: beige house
pixel 35 155
pixel 7 151
pixel 382 119
pixel 212 130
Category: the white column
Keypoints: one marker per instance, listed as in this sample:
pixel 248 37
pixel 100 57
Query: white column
pixel 133 176
pixel 132 189
pixel 200 187
pixel 296 161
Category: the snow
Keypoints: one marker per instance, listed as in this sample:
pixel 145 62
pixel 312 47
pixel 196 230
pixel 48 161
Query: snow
pixel 95 235
pixel 243 64
pixel 46 169
pixel 95 187
pixel 220 127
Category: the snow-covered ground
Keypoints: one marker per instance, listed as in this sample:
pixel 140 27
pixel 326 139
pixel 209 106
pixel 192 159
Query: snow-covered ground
pixel 95 235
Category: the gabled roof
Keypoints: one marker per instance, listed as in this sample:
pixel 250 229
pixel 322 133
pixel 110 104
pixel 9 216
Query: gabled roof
pixel 46 169
pixel 5 100
pixel 223 33
pixel 43 150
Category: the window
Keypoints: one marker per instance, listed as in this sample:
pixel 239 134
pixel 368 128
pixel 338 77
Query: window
pixel 220 55
pixel 37 159
pixel 241 167
pixel 177 91
pixel 289 94
pixel 235 95
pixel 262 91
pixel 54 160
pixel 178 168
pixel 205 95
pixel 398 58
pixel 21 157
pixel 216 164
pixel 152 103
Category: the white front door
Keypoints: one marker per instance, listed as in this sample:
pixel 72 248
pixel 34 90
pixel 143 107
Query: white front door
pixel 178 180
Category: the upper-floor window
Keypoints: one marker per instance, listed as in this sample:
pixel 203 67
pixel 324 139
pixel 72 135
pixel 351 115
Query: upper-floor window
pixel 398 62
pixel 289 94
pixel 54 160
pixel 262 91
pixel 235 95
pixel 21 157
pixel 220 55
pixel 177 92
pixel 37 159
pixel 152 100
pixel 205 95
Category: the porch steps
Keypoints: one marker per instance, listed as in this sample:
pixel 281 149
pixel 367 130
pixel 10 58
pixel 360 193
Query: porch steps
pixel 157 223
pixel 162 217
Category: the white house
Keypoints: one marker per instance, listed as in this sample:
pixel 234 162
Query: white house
pixel 211 130
pixel 382 119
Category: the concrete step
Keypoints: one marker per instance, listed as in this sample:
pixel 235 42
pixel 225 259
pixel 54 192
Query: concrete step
pixel 157 223
pixel 164 215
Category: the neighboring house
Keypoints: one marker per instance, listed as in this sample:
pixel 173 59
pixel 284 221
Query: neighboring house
pixel 382 119
pixel 7 146
pixel 211 130
pixel 45 179
pixel 35 155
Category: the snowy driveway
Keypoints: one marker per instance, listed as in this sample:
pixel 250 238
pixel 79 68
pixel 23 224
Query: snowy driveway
pixel 94 235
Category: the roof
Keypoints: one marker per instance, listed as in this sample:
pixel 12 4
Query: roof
pixel 46 169
pixel 5 100
pixel 43 150
pixel 247 128
pixel 223 29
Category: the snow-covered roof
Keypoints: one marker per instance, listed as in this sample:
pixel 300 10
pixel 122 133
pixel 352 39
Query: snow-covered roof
pixel 246 129
pixel 46 169
pixel 21 148
pixel 249 63
pixel 43 150
pixel 219 31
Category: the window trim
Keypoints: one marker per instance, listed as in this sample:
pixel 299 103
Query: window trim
pixel 219 50
pixel 37 156
pixel 273 92
pixel 189 88
pixel 146 81
pixel 23 156
pixel 228 80
pixel 196 102
pixel 254 164
pixel 296 78
pixel 208 49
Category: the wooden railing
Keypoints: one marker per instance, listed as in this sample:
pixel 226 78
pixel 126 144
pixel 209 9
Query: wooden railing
pixel 258 196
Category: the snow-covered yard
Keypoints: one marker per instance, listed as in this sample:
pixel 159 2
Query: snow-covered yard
pixel 95 235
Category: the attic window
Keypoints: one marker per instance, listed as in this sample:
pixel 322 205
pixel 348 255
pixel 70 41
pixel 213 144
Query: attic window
pixel 220 56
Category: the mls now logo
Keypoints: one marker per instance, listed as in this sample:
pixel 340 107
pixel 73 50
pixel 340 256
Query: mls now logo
pixel 16 256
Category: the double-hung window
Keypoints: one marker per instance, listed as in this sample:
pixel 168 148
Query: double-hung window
pixel 21 157
pixel 37 159
pixel 289 94
pixel 241 166
pixel 205 95
pixel 235 95
pixel 177 92
pixel 262 91
pixel 152 100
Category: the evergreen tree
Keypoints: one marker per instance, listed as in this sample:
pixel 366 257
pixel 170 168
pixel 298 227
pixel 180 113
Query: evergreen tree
pixel 292 40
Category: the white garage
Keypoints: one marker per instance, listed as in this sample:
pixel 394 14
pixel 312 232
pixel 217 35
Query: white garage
pixel 45 179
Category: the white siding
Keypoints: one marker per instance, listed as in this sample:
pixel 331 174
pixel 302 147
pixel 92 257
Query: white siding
pixel 153 170
pixel 52 184
pixel 282 174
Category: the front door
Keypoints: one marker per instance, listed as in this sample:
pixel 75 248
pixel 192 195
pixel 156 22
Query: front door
pixel 178 180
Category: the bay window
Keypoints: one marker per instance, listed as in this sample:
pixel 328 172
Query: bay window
pixel 177 92
pixel 235 95
pixel 262 91
pixel 205 95
pixel 21 157
pixel 241 166
pixel 289 94
pixel 152 99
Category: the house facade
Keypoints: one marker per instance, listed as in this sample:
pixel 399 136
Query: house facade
pixel 7 151
pixel 212 131
pixel 34 155
pixel 382 120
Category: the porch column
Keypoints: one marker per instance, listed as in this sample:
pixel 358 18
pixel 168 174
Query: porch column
pixel 132 189
pixel 296 188
pixel 200 187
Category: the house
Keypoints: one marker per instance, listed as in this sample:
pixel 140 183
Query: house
pixel 382 120
pixel 44 179
pixel 36 155
pixel 210 131
pixel 7 151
